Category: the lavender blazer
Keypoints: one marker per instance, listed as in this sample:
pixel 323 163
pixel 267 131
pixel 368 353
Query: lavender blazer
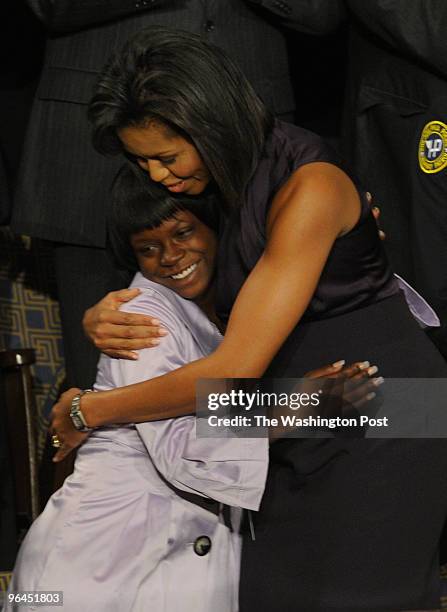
pixel 116 537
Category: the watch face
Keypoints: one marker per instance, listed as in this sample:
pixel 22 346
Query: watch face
pixel 76 414
pixel 77 421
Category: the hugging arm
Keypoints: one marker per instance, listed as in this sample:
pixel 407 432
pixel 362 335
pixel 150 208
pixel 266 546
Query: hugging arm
pixel 317 204
pixel 229 470
pixel 117 333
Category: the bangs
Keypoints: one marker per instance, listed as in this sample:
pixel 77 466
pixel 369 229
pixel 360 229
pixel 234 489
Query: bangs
pixel 136 204
pixel 139 204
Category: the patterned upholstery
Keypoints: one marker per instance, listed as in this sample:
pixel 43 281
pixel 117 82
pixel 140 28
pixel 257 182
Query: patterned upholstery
pixel 5 578
pixel 29 315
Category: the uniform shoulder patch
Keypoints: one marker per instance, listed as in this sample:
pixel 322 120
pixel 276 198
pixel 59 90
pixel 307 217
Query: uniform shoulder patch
pixel 432 152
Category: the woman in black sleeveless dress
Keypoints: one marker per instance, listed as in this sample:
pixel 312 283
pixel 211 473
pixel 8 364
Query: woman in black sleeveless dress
pixel 343 523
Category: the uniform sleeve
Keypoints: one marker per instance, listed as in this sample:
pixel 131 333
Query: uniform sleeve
pixel 417 27
pixel 72 15
pixel 231 471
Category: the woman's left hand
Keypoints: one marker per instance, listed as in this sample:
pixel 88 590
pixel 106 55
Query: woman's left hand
pixel 350 386
pixel 62 426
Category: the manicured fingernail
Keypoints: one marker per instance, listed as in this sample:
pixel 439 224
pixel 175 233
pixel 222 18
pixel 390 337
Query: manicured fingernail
pixel 155 322
pixel 378 381
pixel 339 364
pixel 134 357
pixel 154 342
pixel 370 396
pixel 162 331
pixel 373 370
pixel 364 365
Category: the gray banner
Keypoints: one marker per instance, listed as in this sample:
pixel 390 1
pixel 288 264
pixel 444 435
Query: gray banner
pixel 304 408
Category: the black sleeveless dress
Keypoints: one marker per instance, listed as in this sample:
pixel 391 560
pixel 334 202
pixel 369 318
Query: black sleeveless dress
pixel 345 524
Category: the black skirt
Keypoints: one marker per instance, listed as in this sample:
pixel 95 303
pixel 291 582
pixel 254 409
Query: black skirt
pixel 351 524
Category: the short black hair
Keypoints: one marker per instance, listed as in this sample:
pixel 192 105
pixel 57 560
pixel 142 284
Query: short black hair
pixel 178 79
pixel 137 203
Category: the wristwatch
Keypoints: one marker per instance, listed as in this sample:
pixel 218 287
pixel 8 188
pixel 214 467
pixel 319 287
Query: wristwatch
pixel 76 415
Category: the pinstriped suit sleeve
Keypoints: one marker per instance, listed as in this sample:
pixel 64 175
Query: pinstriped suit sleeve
pixel 230 470
pixel 72 15
pixel 307 16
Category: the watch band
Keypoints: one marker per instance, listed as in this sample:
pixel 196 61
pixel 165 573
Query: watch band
pixel 76 415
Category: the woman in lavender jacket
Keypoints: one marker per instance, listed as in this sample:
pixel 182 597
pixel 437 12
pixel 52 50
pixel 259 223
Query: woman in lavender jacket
pixel 117 536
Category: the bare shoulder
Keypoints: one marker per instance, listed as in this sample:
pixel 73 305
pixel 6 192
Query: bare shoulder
pixel 318 189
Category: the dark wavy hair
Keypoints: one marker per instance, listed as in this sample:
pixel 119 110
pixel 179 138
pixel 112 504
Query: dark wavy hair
pixel 137 203
pixel 178 79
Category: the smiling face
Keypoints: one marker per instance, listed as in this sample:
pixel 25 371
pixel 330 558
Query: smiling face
pixel 168 158
pixel 179 254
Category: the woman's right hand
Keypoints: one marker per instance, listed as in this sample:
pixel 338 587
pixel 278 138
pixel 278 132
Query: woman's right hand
pixel 120 334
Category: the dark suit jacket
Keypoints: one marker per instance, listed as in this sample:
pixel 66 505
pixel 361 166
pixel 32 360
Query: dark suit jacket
pixel 63 184
pixel 5 203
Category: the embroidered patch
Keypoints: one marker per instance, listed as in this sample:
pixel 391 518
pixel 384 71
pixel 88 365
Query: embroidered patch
pixel 433 147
